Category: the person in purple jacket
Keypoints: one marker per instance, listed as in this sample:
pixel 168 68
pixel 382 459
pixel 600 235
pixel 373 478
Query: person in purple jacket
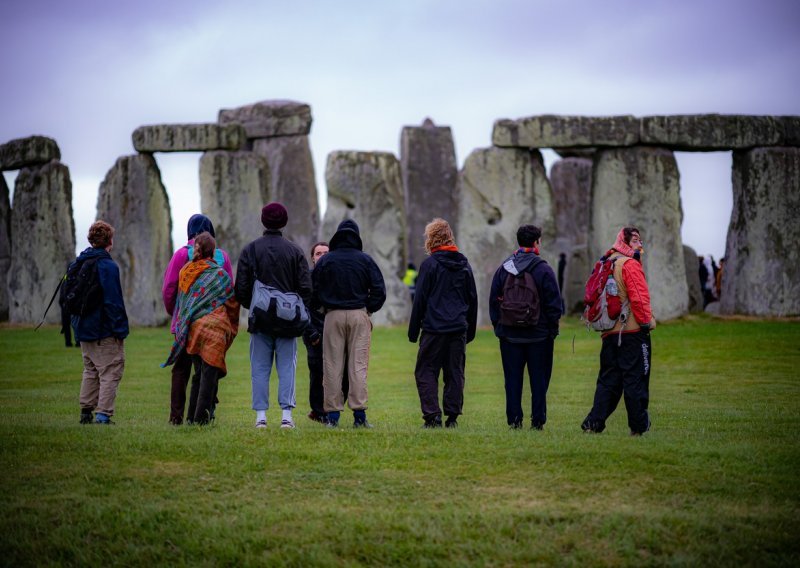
pixel 182 369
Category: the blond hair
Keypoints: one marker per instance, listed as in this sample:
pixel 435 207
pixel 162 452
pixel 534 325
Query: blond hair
pixel 438 233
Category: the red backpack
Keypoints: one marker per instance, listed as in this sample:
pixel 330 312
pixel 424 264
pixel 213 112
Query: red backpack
pixel 602 304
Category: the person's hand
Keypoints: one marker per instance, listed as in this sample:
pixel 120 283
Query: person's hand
pixel 652 323
pixel 315 342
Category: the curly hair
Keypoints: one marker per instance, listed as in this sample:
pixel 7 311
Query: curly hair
pixel 100 234
pixel 204 245
pixel 438 233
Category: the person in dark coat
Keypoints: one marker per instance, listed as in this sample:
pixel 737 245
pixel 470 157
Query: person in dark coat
pixel 446 310
pixel 277 262
pixel 527 346
pixel 313 341
pixel 102 332
pixel 349 286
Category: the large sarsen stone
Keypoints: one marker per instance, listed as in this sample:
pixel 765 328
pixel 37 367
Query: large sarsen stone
pixel 366 187
pixel 501 189
pixel 188 137
pixel 5 246
pixel 27 152
pixel 762 259
pixel 270 118
pixel 553 131
pixel 133 200
pixel 704 132
pixel 43 238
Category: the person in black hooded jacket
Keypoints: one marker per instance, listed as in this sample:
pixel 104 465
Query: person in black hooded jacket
pixel 532 345
pixel 348 286
pixel 446 310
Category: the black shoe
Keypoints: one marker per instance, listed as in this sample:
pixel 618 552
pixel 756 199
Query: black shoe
pixel 86 417
pixel 537 426
pixel 451 422
pixel 433 422
pixel 515 425
pixel 362 424
pixel 317 417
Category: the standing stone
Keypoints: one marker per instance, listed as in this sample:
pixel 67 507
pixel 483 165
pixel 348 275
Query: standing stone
pixel 366 187
pixel 571 179
pixel 28 152
pixel 501 189
pixel 762 260
pixel 430 179
pixel 293 183
pixel 43 238
pixel 133 200
pixel 640 186
pixel 5 246
pixel 188 137
pixel 234 186
pixel 579 267
pixel 267 119
pixel 693 280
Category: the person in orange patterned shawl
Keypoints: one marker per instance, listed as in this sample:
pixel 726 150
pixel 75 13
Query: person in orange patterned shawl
pixel 206 324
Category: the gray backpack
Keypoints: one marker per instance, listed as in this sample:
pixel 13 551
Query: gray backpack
pixel 281 314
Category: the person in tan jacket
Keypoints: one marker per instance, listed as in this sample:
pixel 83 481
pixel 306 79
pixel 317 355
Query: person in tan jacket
pixel 625 358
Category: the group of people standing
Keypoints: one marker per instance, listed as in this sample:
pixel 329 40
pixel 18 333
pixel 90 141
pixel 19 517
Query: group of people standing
pixel 341 290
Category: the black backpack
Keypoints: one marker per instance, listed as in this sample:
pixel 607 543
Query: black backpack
pixel 81 292
pixel 519 304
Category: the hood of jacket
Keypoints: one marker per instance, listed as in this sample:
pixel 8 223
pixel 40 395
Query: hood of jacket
pixel 199 223
pixel 92 252
pixel 347 236
pixel 520 262
pixel 451 260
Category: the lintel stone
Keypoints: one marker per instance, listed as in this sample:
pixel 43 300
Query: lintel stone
pixel 707 132
pixel 267 119
pixel 26 152
pixel 188 137
pixel 553 131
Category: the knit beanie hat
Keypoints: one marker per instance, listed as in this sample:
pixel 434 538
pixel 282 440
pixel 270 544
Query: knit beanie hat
pixel 274 216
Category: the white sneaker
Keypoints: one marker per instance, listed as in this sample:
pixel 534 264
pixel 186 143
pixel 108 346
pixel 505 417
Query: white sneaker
pixel 261 424
pixel 287 424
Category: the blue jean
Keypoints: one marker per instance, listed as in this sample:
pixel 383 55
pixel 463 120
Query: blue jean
pixel 263 348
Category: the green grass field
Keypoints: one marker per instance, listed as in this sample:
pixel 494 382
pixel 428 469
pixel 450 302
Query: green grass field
pixel 714 483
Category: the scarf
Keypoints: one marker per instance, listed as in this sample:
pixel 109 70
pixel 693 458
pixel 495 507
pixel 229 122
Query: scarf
pixel 449 248
pixel 203 286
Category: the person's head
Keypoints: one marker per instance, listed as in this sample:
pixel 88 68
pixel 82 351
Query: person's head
pixel 411 266
pixel 528 235
pixel 318 251
pixel 629 242
pixel 101 235
pixel 199 223
pixel 632 237
pixel 274 216
pixel 438 234
pixel 562 256
pixel 721 261
pixel 204 245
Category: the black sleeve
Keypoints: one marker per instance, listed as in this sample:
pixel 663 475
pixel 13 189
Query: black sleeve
pixel 550 300
pixel 420 304
pixel 494 294
pixel 377 289
pixel 304 280
pixel 244 278
pixel 472 309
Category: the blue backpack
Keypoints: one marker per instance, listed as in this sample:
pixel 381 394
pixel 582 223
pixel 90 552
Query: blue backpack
pixel 218 258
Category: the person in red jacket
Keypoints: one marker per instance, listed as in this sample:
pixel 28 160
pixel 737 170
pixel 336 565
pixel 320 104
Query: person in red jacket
pixel 625 357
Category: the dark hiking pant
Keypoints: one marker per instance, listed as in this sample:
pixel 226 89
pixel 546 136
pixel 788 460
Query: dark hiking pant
pixel 538 357
pixel 446 352
pixel 204 391
pixel 624 369
pixel 181 373
pixel 316 392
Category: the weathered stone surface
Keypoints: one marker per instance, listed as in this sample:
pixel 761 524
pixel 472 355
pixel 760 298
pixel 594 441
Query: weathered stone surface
pixel 501 189
pixel 133 200
pixel 640 186
pixel 234 186
pixel 579 267
pixel 366 187
pixel 188 137
pixel 761 252
pixel 587 153
pixel 790 130
pixel 704 132
pixel 270 118
pixel 43 233
pixel 293 184
pixel 553 131
pixel 692 280
pixel 712 308
pixel 28 152
pixel 571 179
pixel 430 180
pixel 5 246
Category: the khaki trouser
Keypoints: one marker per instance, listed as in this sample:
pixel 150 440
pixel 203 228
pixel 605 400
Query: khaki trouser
pixel 346 335
pixel 103 363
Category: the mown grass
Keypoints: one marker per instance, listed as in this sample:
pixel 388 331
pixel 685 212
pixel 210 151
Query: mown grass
pixel 714 483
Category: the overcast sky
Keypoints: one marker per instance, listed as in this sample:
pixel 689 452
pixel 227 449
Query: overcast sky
pixel 87 73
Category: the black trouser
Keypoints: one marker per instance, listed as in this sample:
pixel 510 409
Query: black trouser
pixel 204 391
pixel 66 327
pixel 181 373
pixel 624 369
pixel 446 352
pixel 538 357
pixel 316 394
